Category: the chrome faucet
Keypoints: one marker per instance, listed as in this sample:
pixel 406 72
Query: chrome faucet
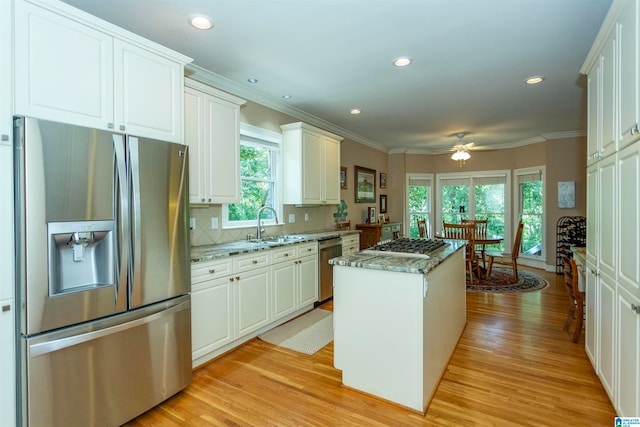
pixel 260 229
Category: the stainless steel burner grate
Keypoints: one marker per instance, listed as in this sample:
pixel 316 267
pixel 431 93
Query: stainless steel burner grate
pixel 413 246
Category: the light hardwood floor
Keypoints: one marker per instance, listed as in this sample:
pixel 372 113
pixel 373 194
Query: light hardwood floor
pixel 514 365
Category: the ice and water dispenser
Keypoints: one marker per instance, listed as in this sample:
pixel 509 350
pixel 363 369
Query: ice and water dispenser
pixel 80 255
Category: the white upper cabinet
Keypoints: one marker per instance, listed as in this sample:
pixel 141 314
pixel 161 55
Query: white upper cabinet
pixel 6 100
pixel 311 165
pixel 594 112
pixel 212 132
pixel 609 96
pixel 74 68
pixel 629 110
pixel 629 219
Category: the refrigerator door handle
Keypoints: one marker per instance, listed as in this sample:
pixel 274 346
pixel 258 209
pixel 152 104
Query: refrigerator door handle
pixel 136 222
pixel 122 207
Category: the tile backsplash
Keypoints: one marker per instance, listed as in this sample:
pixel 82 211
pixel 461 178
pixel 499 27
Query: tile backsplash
pixel 320 218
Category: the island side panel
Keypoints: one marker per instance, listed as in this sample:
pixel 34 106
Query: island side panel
pixel 445 317
pixel 378 332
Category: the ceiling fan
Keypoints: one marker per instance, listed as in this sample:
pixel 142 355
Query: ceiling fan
pixel 460 150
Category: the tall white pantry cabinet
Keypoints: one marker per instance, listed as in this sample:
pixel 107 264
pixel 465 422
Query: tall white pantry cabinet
pixel 613 206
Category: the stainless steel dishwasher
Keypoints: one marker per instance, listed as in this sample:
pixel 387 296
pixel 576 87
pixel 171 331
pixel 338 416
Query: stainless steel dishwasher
pixel 329 248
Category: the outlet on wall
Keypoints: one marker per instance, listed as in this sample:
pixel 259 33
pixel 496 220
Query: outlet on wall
pixel 192 223
pixel 306 217
pixel 214 222
pixel 292 218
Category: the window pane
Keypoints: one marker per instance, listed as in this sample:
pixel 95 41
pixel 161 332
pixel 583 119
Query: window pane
pixel 419 203
pixel 454 196
pixel 532 210
pixel 255 194
pixel 255 162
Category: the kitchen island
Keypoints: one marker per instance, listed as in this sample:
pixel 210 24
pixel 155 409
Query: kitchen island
pixel 397 321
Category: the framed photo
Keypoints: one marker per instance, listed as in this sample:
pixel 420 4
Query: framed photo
pixel 365 185
pixel 383 203
pixel 372 215
pixel 383 180
pixel 566 194
pixel 343 178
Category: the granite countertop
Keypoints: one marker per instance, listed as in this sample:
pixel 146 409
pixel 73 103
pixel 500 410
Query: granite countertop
pixel 221 250
pixel 404 263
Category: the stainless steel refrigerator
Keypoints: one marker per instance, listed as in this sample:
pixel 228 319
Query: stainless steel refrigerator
pixel 103 274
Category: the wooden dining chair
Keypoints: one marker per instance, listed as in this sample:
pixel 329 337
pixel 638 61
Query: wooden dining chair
pixel 496 257
pixel 576 298
pixel 464 232
pixel 422 228
pixel 481 234
pixel 344 225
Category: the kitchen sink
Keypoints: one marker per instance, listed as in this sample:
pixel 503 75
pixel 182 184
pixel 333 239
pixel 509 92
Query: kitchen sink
pixel 278 240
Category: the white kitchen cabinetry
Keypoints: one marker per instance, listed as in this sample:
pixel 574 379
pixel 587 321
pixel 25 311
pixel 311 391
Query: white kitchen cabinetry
pixel 311 165
pixel 628 354
pixel 212 132
pixel 252 300
pixel 613 207
pixel 284 281
pixel 211 306
pixel 6 79
pixel 350 244
pixel 307 273
pixel 74 68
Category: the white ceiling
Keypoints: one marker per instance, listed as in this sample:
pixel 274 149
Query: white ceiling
pixel 470 60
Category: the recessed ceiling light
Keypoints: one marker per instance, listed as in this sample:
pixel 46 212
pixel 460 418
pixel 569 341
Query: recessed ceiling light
pixel 201 22
pixel 286 96
pixel 252 80
pixel 402 61
pixel 534 80
pixel 355 111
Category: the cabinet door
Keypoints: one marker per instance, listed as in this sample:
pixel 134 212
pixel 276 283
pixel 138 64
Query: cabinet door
pixel 607 229
pixel 252 299
pixel 194 138
pixel 7 361
pixel 594 113
pixel 312 168
pixel 629 218
pixel 307 280
pixel 628 392
pixel 63 69
pixel 222 136
pixel 211 316
pixel 6 222
pixel 6 79
pixel 609 96
pixel 628 87
pixel 331 172
pixel 593 203
pixel 606 332
pixel 591 313
pixel 284 282
pixel 148 93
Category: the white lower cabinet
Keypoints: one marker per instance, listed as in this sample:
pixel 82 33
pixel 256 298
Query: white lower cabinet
pixel 606 333
pixel 251 291
pixel 234 299
pixel 7 361
pixel 350 244
pixel 591 315
pixel 628 354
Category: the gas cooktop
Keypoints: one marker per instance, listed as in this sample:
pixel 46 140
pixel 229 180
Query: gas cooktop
pixel 411 247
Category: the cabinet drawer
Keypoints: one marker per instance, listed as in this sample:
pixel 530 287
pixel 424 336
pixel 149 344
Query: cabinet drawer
pixel 307 248
pixel 249 262
pixel 283 254
pixel 350 239
pixel 203 271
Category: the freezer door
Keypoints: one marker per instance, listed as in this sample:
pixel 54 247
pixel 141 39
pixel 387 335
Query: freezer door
pixel 160 266
pixel 107 372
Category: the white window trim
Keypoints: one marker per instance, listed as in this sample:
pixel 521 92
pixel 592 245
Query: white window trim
pixel 407 214
pixel 508 221
pixel 274 138
pixel 516 211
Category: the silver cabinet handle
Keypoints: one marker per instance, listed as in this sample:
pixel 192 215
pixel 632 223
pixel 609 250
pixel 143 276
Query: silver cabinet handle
pixel 109 125
pixel 122 127
pixel 634 307
pixel 212 271
pixel 5 137
pixel 254 261
pixel 6 308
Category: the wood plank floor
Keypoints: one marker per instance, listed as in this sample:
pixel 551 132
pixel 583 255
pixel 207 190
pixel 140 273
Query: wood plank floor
pixel 514 365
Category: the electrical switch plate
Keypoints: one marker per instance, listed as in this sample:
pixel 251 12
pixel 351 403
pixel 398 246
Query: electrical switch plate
pixel 192 223
pixel 214 222
pixel 306 217
pixel 292 218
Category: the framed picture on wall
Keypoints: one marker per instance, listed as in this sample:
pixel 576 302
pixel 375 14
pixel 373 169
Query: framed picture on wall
pixel 383 180
pixel 566 194
pixel 383 203
pixel 343 178
pixel 365 185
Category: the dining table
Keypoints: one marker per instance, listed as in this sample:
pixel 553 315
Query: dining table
pixel 483 241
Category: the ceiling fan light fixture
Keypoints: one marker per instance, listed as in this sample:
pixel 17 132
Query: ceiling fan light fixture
pixel 460 155
pixel 355 111
pixel 402 61
pixel 200 22
pixel 533 80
